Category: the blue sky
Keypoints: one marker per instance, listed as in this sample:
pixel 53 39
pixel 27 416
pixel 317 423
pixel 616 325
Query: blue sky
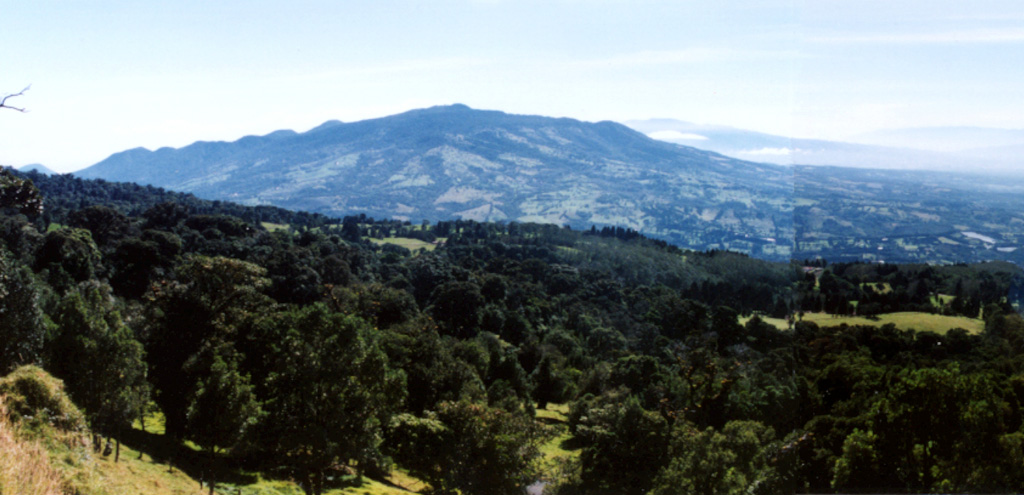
pixel 112 75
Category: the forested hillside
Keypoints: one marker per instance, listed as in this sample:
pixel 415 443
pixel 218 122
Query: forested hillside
pixel 320 350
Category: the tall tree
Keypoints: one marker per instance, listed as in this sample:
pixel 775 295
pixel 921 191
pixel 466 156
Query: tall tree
pixel 212 298
pixel 223 405
pixel 328 394
pixel 98 358
pixel 21 322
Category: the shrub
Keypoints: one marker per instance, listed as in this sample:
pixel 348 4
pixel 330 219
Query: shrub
pixel 35 397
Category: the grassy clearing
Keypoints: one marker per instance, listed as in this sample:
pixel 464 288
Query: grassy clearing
pixel 406 242
pixel 364 487
pixel 554 413
pixel 879 287
pixel 554 451
pixel 907 320
pixel 274 227
pixel 942 300
pixel 132 474
pixel 779 323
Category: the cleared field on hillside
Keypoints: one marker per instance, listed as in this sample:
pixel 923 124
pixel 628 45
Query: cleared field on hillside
pixel 906 320
pixel 406 242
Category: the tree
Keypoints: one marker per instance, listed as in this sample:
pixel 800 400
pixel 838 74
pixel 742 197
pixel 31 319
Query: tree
pixel 106 224
pixel 70 255
pixel 328 394
pixel 19 194
pixel 211 300
pixel 3 102
pixel 456 306
pixel 21 322
pixel 615 432
pixel 98 358
pixel 468 448
pixel 733 461
pixel 222 407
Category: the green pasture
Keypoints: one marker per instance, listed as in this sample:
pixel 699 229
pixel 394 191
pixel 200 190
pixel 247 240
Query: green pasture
pixel 905 320
pixel 407 242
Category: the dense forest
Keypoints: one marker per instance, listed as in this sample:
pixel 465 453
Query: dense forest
pixel 302 347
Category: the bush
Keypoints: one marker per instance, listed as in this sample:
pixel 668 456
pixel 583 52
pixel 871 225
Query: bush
pixel 37 398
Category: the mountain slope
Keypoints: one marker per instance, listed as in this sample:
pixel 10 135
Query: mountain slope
pixel 456 162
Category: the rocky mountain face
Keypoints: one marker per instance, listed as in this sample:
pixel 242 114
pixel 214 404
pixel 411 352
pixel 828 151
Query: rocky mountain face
pixel 455 162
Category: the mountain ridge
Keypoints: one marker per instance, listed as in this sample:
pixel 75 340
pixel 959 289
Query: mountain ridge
pixel 456 162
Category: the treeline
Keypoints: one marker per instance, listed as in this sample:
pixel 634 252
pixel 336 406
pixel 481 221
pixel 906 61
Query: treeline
pixel 309 351
pixel 869 289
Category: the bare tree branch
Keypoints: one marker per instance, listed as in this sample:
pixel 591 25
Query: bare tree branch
pixel 3 102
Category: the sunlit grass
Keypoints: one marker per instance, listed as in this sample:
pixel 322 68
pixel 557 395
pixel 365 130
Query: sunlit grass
pixel 273 227
pixel 407 242
pixel 554 451
pixel 905 320
pixel 554 412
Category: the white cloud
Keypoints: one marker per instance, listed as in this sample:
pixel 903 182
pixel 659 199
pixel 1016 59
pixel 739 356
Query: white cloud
pixel 1005 35
pixel 676 136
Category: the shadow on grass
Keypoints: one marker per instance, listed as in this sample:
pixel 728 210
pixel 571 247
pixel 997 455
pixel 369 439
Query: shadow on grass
pixel 197 465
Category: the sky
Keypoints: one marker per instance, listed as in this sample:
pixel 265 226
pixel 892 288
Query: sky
pixel 109 75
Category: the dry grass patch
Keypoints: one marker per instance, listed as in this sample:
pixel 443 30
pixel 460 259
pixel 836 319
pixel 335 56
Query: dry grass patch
pixel 24 464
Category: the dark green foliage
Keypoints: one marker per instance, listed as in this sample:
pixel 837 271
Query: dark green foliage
pixel 98 358
pixel 456 306
pixel 211 300
pixel 106 224
pixel 617 432
pixel 70 255
pixel 737 460
pixel 300 354
pixel 328 393
pixel 19 194
pixel 468 448
pixel 222 407
pixel 21 323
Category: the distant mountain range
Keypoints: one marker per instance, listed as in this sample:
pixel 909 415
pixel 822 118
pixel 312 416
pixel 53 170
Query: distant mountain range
pixel 455 162
pixel 996 151
pixel 38 168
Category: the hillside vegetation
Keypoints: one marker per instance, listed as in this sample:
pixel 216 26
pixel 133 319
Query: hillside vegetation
pixel 597 361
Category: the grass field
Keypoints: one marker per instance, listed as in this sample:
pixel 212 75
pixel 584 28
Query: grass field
pixel 907 321
pixel 406 242
pixel 553 451
pixel 273 227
